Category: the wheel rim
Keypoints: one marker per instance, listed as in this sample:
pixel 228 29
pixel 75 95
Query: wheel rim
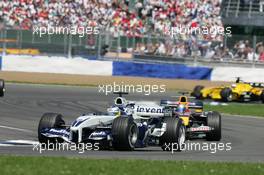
pixel 229 98
pixel 181 139
pixel 132 136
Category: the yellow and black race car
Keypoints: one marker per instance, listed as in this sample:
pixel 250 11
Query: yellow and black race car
pixel 238 91
pixel 198 123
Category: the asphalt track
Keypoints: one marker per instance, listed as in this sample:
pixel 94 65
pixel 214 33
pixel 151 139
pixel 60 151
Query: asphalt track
pixel 23 105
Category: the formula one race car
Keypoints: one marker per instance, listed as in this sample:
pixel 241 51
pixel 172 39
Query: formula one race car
pixel 239 91
pixel 2 87
pixel 126 125
pixel 199 124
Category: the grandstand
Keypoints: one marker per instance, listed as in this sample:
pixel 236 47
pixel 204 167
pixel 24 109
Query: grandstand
pixel 241 13
pixel 138 29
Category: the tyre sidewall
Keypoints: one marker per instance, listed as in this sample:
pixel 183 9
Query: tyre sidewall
pixel 172 134
pixel 121 131
pixel 49 120
pixel 225 95
pixel 214 121
pixel 2 87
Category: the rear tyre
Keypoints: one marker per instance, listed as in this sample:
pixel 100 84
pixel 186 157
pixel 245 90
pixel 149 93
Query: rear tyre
pixel 226 94
pixel 214 121
pixel 50 120
pixel 197 92
pixel 125 133
pixel 262 96
pixel 2 87
pixel 175 135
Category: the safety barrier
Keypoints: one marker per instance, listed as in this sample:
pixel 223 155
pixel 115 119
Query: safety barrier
pixel 62 65
pixel 126 68
pixel 230 74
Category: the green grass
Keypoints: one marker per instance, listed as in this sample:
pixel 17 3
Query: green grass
pixel 238 109
pixel 11 165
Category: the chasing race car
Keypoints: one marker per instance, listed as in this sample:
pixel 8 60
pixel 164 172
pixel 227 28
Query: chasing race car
pixel 2 87
pixel 199 124
pixel 239 91
pixel 125 126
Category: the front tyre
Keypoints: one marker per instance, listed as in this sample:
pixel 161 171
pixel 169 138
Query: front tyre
pixel 197 92
pixel 124 133
pixel 262 96
pixel 175 135
pixel 226 94
pixel 214 122
pixel 49 120
pixel 2 87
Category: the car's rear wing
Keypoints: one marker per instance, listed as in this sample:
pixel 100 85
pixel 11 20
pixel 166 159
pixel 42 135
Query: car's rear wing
pixel 253 84
pixel 258 85
pixel 196 107
pixel 120 94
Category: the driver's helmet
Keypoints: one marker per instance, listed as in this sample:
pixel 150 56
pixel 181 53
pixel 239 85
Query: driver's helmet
pixel 181 108
pixel 233 85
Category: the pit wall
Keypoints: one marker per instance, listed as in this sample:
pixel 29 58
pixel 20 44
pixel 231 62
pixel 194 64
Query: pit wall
pixel 80 66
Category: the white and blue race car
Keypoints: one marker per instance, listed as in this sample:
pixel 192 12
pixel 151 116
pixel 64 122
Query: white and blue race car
pixel 125 126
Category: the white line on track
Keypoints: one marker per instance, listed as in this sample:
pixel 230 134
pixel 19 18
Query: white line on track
pixel 16 129
pixel 7 145
pixel 18 143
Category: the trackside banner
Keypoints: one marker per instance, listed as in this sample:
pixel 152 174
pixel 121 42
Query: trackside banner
pixel 179 71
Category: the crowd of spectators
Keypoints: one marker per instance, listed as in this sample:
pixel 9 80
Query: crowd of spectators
pixel 136 18
pixel 240 51
pixel 243 50
pixel 155 16
pixel 29 13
